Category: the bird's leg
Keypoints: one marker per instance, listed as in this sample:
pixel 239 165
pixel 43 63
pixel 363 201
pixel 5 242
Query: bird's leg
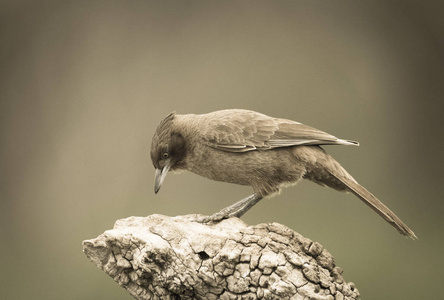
pixel 236 210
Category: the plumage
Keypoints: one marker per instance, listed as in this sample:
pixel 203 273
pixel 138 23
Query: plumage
pixel 238 130
pixel 249 148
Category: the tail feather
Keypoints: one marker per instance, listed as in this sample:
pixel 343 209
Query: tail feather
pixel 382 210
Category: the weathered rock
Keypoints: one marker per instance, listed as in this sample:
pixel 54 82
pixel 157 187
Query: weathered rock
pixel 159 257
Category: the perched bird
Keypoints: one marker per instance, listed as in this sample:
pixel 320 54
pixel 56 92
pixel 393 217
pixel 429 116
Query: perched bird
pixel 249 148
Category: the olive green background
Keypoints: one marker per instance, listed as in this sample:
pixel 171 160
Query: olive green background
pixel 83 85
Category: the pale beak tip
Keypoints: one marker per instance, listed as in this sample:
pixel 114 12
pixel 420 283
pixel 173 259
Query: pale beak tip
pixel 160 177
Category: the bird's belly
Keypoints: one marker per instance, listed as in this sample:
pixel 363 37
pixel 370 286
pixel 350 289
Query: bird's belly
pixel 266 171
pixel 231 171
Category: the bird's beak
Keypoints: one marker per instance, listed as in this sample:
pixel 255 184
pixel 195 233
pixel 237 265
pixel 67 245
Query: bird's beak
pixel 160 177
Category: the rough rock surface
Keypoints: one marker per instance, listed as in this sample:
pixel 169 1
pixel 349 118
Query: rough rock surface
pixel 160 257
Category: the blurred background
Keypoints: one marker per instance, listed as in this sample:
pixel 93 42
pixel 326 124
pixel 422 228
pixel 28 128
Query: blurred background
pixel 83 85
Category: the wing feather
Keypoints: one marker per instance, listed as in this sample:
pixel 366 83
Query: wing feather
pixel 237 130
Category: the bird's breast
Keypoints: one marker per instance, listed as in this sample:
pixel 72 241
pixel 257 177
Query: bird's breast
pixel 270 168
pixel 220 165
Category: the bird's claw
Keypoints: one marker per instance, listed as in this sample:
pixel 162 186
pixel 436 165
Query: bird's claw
pixel 215 218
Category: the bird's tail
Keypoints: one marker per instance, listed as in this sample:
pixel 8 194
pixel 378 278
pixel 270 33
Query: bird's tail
pixel 369 199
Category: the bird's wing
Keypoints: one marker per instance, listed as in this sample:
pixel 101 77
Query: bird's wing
pixel 243 130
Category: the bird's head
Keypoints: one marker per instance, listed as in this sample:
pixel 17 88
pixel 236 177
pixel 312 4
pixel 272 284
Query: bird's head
pixel 167 150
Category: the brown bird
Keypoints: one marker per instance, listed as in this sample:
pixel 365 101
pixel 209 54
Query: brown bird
pixel 249 148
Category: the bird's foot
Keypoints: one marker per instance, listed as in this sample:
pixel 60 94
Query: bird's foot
pixel 215 218
pixel 235 210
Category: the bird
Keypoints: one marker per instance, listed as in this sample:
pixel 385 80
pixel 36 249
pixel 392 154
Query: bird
pixel 253 149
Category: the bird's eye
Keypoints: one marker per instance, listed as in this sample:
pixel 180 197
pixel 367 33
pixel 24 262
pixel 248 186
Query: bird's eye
pixel 165 155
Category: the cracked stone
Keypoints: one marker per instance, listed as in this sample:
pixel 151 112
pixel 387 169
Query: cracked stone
pixel 159 257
